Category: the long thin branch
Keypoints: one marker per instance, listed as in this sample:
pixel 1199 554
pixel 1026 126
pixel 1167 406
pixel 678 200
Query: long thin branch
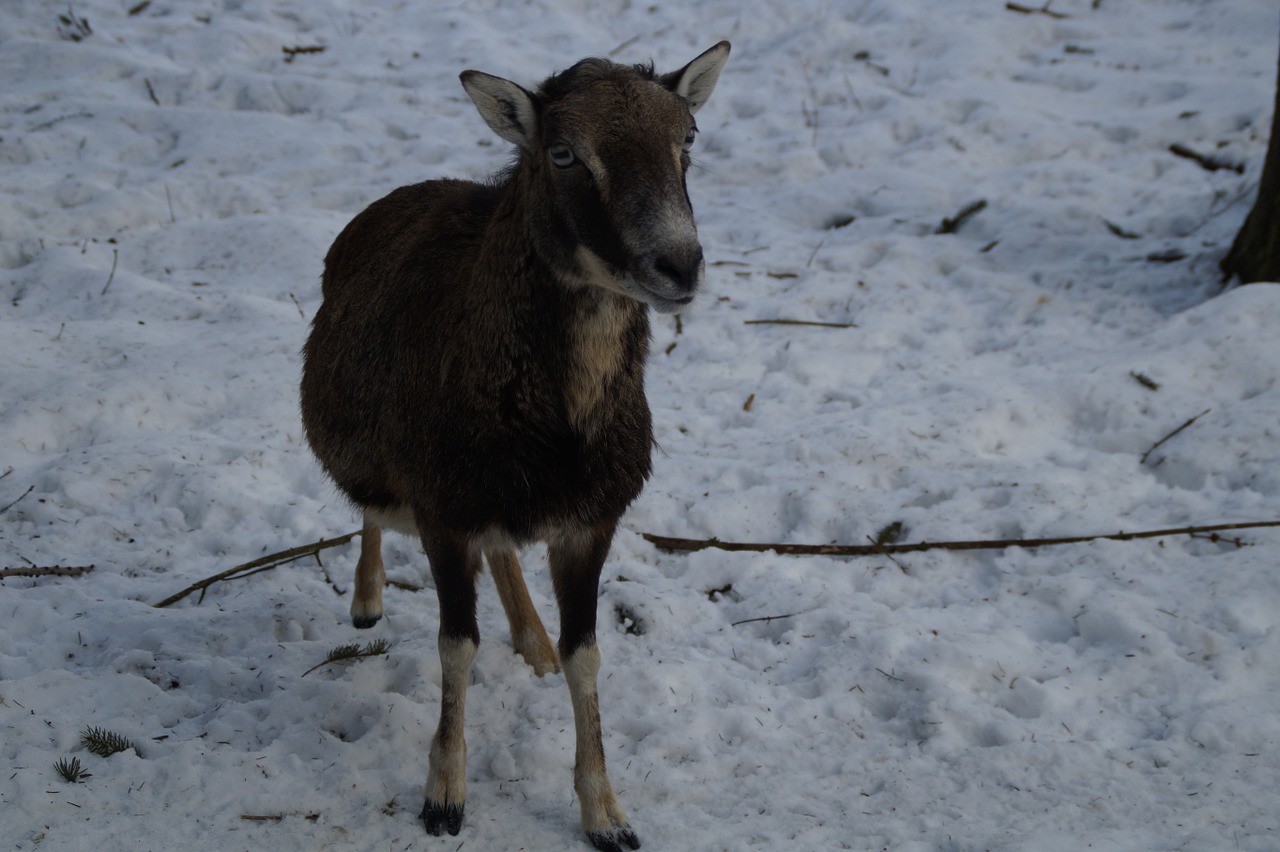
pixel 670 543
pixel 798 322
pixel 273 560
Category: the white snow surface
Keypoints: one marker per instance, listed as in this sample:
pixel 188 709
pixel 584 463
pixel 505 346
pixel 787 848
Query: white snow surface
pixel 171 183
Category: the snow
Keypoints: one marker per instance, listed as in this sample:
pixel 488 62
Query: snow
pixel 172 182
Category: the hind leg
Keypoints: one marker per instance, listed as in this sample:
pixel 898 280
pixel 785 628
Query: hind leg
pixel 527 633
pixel 366 598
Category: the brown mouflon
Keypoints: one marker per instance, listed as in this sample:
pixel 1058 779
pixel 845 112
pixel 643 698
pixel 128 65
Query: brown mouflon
pixel 475 374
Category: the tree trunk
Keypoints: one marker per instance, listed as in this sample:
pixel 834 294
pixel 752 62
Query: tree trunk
pixel 1255 254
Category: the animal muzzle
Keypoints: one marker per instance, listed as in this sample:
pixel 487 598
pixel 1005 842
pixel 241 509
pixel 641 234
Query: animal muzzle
pixel 671 275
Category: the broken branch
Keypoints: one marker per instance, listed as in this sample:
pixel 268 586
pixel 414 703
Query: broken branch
pixel 950 226
pixel 46 571
pixel 265 563
pixel 1043 10
pixel 1206 162
pixel 290 53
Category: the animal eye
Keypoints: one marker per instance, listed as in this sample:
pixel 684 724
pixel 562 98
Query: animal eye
pixel 688 140
pixel 561 156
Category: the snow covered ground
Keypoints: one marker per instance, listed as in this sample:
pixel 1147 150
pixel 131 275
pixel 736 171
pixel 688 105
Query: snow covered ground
pixel 171 182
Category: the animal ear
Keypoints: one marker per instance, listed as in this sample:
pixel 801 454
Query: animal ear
pixel 505 106
pixel 695 81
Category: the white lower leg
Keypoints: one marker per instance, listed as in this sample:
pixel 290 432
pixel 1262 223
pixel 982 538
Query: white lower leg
pixel 602 816
pixel 446 789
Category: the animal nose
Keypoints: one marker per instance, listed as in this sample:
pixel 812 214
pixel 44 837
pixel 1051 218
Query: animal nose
pixel 683 269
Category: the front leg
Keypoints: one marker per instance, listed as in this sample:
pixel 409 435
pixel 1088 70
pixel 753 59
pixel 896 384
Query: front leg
pixel 576 561
pixel 602 817
pixel 454 568
pixel 446 791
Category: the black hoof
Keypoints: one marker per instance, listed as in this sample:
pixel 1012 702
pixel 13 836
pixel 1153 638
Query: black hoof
pixel 441 818
pixel 364 622
pixel 615 840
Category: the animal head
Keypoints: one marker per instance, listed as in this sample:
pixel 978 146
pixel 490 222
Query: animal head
pixel 608 147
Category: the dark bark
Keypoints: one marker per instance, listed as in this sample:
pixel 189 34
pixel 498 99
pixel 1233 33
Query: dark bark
pixel 1255 254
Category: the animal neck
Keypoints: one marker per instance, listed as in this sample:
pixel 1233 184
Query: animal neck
pixel 603 332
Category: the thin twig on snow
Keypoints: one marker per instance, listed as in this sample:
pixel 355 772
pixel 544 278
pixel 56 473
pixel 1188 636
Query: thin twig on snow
pixel 265 563
pixel 688 545
pixel 1143 460
pixel 46 571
